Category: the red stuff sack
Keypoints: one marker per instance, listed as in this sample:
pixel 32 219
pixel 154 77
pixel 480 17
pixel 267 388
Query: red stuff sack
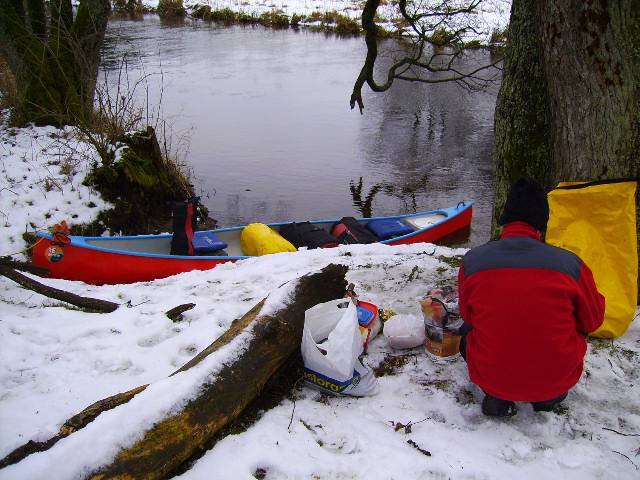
pixel 349 231
pixel 184 224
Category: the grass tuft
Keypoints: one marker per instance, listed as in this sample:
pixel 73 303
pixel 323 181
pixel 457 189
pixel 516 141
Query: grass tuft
pixel 171 9
pixel 225 15
pixel 274 19
pixel 441 37
pixel 296 19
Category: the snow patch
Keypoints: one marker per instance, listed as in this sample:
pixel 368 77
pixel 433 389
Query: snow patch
pixel 42 170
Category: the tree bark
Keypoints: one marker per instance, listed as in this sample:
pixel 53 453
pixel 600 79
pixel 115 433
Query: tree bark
pixel 522 124
pixel 592 66
pixel 175 314
pixel 569 105
pixel 174 440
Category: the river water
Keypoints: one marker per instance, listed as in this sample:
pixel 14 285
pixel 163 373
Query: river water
pixel 265 114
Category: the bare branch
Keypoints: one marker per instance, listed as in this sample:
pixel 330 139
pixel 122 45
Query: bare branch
pixel 444 10
pixel 433 25
pixel 632 462
pixel 620 433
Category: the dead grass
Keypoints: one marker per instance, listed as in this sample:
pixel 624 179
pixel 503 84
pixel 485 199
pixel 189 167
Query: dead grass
pixel 391 363
pixel 8 92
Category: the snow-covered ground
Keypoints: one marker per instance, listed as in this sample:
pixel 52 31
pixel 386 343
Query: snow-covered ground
pixel 41 174
pixel 490 16
pixel 56 360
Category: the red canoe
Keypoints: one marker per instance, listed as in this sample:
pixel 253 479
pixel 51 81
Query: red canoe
pixel 115 260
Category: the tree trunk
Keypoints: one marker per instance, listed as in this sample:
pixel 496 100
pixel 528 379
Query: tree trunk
pixel 24 266
pixel 174 440
pixel 522 124
pixel 55 67
pixel 569 105
pixel 591 62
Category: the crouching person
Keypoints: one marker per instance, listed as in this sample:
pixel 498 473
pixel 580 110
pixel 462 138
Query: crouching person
pixel 527 308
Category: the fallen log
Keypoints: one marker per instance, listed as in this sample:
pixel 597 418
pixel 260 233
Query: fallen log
pixel 276 335
pixel 87 303
pixel 24 266
pixel 174 440
pixel 74 424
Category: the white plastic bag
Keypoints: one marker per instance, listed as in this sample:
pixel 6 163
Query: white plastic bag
pixel 331 345
pixel 404 331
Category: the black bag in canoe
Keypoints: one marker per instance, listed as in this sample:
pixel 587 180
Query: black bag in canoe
pixel 349 231
pixel 305 234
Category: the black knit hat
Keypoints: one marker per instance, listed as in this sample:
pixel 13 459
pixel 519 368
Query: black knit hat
pixel 526 202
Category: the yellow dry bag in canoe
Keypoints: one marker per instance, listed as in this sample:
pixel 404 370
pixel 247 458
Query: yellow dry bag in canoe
pixel 597 221
pixel 260 239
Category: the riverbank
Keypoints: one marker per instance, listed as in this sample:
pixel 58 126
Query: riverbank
pixel 489 22
pixel 50 175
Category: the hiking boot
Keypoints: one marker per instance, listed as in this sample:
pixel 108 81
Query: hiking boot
pixel 494 407
pixel 548 405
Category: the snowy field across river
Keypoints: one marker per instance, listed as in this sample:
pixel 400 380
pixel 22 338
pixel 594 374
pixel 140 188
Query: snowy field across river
pixel 489 16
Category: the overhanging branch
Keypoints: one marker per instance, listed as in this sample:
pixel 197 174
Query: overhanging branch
pixel 439 34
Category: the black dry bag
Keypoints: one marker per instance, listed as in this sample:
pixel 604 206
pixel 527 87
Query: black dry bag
pixel 305 234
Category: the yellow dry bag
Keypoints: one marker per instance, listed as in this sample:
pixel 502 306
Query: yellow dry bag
pixel 597 222
pixel 260 239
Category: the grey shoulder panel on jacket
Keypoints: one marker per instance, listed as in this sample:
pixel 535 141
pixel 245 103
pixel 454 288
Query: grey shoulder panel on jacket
pixel 521 252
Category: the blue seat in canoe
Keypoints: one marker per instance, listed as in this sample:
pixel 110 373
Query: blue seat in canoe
pixel 386 228
pixel 206 242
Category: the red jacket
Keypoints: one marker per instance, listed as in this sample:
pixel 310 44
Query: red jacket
pixel 530 307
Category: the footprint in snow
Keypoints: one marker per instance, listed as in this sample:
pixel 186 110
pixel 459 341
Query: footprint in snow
pixel 114 366
pixel 158 338
pixel 188 350
pixel 340 443
pixel 517 451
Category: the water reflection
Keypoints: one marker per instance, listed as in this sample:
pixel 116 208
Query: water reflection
pixel 363 206
pixel 436 141
pixel 406 193
pixel 274 139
